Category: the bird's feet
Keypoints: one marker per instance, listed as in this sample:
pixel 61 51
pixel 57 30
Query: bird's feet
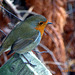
pixel 28 62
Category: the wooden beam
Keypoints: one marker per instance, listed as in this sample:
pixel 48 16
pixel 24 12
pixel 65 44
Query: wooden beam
pixel 16 66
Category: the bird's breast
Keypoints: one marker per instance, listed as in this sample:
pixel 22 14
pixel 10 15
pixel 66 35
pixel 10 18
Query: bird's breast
pixel 41 29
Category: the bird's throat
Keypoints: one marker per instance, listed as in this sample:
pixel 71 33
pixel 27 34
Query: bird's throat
pixel 41 29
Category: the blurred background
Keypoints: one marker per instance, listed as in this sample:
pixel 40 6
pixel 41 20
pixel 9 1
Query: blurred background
pixel 58 38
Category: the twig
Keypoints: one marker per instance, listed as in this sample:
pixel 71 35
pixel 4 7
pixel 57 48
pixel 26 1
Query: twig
pixel 3 32
pixel 42 60
pixel 10 13
pixel 10 3
pixel 39 55
pixel 55 63
pixel 53 57
pixel 26 14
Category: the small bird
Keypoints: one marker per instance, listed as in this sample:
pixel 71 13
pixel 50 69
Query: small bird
pixel 25 36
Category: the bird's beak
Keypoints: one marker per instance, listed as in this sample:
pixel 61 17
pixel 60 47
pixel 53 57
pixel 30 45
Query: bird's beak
pixel 49 23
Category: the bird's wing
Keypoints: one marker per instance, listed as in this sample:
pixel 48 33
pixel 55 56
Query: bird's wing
pixel 20 44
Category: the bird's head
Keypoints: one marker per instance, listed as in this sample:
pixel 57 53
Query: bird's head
pixel 39 22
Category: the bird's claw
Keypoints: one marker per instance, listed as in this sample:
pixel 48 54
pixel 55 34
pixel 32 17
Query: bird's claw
pixel 30 64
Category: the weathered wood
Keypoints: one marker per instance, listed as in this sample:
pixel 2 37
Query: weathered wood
pixel 16 66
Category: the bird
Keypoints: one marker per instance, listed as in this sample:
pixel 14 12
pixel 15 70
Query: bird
pixel 25 36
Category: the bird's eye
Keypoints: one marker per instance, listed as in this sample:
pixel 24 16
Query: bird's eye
pixel 41 23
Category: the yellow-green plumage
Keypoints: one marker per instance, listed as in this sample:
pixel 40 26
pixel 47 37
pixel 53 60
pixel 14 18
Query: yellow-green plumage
pixel 24 36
